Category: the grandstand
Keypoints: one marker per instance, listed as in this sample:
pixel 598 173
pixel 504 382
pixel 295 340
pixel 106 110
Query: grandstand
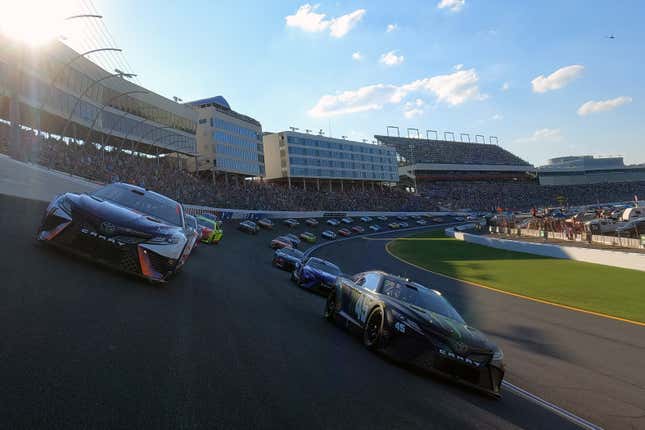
pixel 442 160
pixel 53 90
pixel 587 169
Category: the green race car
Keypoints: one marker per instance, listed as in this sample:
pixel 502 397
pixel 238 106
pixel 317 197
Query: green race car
pixel 212 231
pixel 308 237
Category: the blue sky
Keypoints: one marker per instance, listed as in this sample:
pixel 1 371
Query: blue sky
pixel 466 67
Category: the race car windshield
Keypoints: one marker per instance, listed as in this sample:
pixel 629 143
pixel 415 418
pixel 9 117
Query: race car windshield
pixel 205 223
pixel 420 298
pixel 145 202
pixel 325 267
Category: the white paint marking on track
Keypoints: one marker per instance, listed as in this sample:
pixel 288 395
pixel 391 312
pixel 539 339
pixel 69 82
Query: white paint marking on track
pixel 379 233
pixel 550 406
pixel 569 416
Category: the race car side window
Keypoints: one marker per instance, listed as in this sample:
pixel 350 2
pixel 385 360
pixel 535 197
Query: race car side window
pixel 371 281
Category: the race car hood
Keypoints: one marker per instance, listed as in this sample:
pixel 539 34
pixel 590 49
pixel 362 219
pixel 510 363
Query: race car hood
pixel 452 331
pixel 97 211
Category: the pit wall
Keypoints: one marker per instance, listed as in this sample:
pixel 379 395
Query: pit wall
pixel 625 260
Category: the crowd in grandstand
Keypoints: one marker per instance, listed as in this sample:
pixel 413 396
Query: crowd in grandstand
pixel 448 152
pixel 525 195
pixel 164 175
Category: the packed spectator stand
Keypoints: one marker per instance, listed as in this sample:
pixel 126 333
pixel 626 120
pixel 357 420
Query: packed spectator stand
pixel 449 152
pixel 163 174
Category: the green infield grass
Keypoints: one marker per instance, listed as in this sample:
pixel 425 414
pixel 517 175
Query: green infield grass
pixel 593 287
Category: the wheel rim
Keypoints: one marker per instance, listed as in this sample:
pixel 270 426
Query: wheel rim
pixel 373 328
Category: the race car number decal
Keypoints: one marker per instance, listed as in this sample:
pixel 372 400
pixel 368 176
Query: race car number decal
pixel 361 308
pixel 399 326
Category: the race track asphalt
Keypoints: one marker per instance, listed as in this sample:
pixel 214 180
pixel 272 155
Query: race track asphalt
pixel 229 343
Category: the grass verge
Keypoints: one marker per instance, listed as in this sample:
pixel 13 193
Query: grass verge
pixel 593 287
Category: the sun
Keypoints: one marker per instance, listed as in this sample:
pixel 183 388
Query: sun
pixel 34 22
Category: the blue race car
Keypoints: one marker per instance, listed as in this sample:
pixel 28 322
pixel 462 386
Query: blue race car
pixel 316 273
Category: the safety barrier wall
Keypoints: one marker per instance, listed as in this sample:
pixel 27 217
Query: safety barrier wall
pixel 226 214
pixel 622 242
pixel 626 260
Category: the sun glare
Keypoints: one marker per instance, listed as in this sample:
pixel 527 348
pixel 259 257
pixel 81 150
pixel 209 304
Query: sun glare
pixel 34 22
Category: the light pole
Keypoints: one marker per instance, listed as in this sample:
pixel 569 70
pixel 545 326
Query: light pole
pixel 57 75
pixel 119 74
pixel 15 123
pixel 122 117
pixel 98 113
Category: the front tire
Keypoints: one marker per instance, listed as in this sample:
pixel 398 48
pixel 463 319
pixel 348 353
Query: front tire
pixel 372 333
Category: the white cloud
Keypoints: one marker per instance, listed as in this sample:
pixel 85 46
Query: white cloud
pixel 343 24
pixel 497 117
pixel 451 89
pixel 458 66
pixel 357 56
pixel 391 59
pixel 413 109
pixel 593 106
pixel 307 19
pixel 506 86
pixel 542 135
pixel 391 27
pixel 451 5
pixel 557 79
pixel 409 114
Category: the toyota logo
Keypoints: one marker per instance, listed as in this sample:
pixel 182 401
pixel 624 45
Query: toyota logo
pixel 108 227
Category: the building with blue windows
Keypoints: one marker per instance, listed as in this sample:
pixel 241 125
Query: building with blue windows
pixel 227 141
pixel 301 158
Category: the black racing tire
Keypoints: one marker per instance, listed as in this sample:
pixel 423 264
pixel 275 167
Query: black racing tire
pixel 373 330
pixel 330 307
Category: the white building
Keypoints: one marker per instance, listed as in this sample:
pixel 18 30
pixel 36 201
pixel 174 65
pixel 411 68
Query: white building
pixel 587 169
pixel 312 160
pixel 227 141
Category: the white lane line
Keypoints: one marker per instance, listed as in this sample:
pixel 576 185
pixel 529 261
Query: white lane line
pixel 380 233
pixel 569 416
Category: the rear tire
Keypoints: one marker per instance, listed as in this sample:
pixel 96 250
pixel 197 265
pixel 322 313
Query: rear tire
pixel 330 307
pixel 373 330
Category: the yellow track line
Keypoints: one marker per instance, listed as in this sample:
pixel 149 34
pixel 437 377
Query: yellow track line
pixel 521 296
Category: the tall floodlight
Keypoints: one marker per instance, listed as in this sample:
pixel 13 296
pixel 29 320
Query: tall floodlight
pixel 387 130
pixel 411 147
pixel 413 130
pixel 491 138
pixel 445 136
pixel 461 137
pixel 118 74
pixel 122 118
pixel 436 134
pixel 100 111
pixel 480 136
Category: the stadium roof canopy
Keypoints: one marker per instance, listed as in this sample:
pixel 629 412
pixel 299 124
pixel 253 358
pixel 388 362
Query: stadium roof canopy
pixel 218 100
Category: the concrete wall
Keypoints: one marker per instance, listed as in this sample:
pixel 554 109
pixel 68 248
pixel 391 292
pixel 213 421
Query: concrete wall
pixel 626 260
pixel 272 159
pixel 227 213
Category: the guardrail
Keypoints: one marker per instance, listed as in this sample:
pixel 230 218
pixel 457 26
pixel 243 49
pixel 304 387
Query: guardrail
pixel 626 260
pixel 621 242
